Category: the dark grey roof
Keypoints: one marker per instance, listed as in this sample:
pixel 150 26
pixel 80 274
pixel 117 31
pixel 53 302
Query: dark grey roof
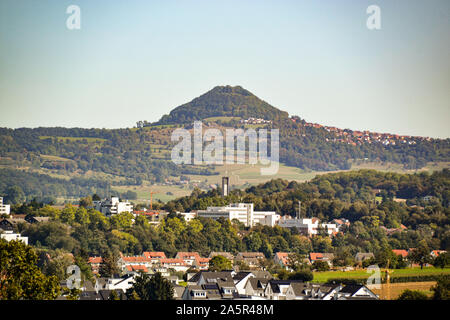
pixel 258 283
pixel 105 294
pixel 241 275
pixel 351 288
pixel 89 295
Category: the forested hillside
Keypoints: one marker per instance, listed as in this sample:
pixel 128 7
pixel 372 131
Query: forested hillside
pixel 131 156
pixel 222 101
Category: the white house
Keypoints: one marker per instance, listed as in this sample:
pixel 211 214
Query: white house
pixel 4 208
pixel 242 212
pixel 9 235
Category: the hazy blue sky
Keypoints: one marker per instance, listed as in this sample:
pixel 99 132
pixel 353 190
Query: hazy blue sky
pixel 137 60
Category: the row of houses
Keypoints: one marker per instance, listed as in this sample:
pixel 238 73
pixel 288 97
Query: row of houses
pixel 151 262
pixel 232 285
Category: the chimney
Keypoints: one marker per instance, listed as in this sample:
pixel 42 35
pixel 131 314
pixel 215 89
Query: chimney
pixel 225 186
pixel 299 214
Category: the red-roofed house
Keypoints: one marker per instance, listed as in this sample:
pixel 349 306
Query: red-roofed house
pixel 176 264
pixel 282 258
pixel 403 253
pixel 188 257
pixel 202 263
pixel 95 264
pixel 136 268
pixel 436 253
pixel 318 256
pixel 154 257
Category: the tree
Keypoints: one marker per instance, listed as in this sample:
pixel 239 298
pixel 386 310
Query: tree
pixel 442 289
pixel 303 275
pixel 109 267
pixel 219 263
pixel 442 261
pixel 420 255
pixel 321 265
pixel 147 287
pixel 20 278
pixel 412 295
pixel 86 202
pixel 15 195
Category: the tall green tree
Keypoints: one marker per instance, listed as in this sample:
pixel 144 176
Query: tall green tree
pixel 219 263
pixel 147 287
pixel 20 278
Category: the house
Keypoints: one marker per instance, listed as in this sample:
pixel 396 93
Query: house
pixel 175 264
pixel 122 283
pixel 95 264
pixel 340 223
pixel 178 292
pixel 9 235
pixel 309 291
pixel 189 258
pixel 282 258
pixel 361 256
pixel 201 263
pixel 31 219
pixel 355 292
pixel 403 253
pixel 4 208
pixel 256 287
pixel 211 291
pixel 154 257
pixel 436 253
pixel 240 279
pixel 124 261
pixel 6 225
pixel 205 277
pixel 276 289
pixel 318 256
pixel 135 269
pixel 252 259
pixel 227 255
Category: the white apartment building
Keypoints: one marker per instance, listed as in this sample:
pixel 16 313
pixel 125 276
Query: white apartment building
pixel 4 208
pixel 307 226
pixel 113 206
pixel 9 235
pixel 243 212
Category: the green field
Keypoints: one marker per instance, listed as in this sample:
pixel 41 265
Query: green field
pixel 363 274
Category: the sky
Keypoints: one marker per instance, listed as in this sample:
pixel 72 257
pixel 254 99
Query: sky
pixel 137 60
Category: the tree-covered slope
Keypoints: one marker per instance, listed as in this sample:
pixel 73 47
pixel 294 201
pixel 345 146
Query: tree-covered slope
pixel 224 101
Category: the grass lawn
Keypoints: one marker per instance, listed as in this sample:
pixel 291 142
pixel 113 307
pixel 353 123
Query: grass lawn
pixel 363 274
